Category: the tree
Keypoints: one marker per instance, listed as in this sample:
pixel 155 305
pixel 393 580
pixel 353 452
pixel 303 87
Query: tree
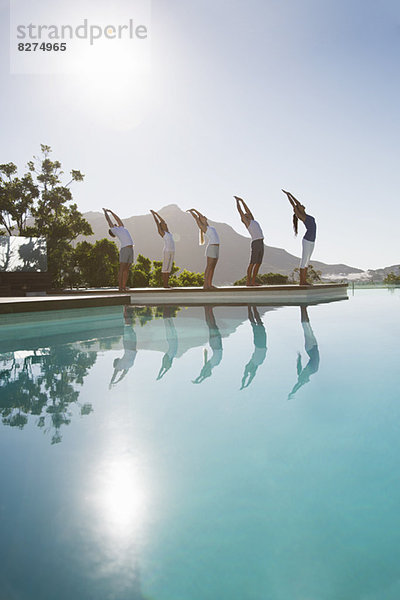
pixel 274 279
pixel 54 218
pixel 39 204
pixel 156 277
pixel 46 386
pixel 190 279
pixel 96 264
pixel 140 273
pixel 392 279
pixel 267 279
pixel 17 196
pixel 313 276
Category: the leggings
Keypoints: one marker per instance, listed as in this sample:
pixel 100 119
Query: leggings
pixel 308 248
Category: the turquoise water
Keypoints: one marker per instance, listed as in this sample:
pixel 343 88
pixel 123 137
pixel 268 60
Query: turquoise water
pixel 134 466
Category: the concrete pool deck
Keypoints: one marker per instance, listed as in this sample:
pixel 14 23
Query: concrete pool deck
pixel 238 295
pixel 85 299
pixel 229 295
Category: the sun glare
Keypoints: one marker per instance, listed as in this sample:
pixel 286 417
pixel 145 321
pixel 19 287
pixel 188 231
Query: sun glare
pixel 120 497
pixel 113 89
pixel 109 79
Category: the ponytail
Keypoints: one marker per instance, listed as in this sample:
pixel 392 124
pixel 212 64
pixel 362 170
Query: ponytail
pixel 201 237
pixel 295 223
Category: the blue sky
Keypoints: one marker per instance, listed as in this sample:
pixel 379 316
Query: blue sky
pixel 241 98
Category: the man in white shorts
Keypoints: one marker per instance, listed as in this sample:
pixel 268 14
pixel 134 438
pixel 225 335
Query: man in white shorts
pixel 168 250
pixel 118 230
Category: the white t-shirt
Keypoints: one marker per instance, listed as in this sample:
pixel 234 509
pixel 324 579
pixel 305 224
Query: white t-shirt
pixel 255 231
pixel 127 360
pixel 212 235
pixel 169 244
pixel 123 235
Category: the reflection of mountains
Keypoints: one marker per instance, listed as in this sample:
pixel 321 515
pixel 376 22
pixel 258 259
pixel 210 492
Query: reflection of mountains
pixel 191 328
pixel 104 328
pixel 29 331
pixel 45 357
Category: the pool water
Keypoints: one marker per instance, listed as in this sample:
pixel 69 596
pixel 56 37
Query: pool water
pixel 202 453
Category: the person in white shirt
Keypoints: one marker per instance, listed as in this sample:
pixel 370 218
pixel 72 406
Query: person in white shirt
pixel 118 230
pixel 126 362
pixel 212 250
pixel 257 241
pixel 215 341
pixel 172 340
pixel 260 347
pixel 168 250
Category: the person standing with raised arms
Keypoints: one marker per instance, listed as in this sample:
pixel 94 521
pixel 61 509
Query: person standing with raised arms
pixel 299 212
pixel 168 250
pixel 212 250
pixel 118 230
pixel 257 241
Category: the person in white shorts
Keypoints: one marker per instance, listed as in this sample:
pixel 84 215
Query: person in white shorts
pixel 215 341
pixel 172 340
pixel 118 230
pixel 257 241
pixel 299 212
pixel 212 250
pixel 168 250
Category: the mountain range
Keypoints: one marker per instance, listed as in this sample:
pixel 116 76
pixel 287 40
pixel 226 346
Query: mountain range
pixel 234 252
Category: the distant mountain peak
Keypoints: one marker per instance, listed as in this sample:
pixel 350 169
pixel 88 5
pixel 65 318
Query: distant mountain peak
pixel 235 247
pixel 171 207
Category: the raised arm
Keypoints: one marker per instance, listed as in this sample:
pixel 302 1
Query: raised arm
pixel 107 216
pixel 244 212
pixel 163 222
pixel 198 218
pixel 195 212
pixel 293 201
pixel 238 206
pixel 116 217
pixel 289 197
pixel 158 220
pixel 246 208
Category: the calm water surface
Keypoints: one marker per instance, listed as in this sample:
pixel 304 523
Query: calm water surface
pixel 245 453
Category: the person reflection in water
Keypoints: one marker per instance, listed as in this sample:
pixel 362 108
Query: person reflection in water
pixel 215 342
pixel 311 347
pixel 172 340
pixel 260 347
pixel 123 364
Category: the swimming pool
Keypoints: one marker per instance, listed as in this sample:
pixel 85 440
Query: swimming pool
pixel 202 453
